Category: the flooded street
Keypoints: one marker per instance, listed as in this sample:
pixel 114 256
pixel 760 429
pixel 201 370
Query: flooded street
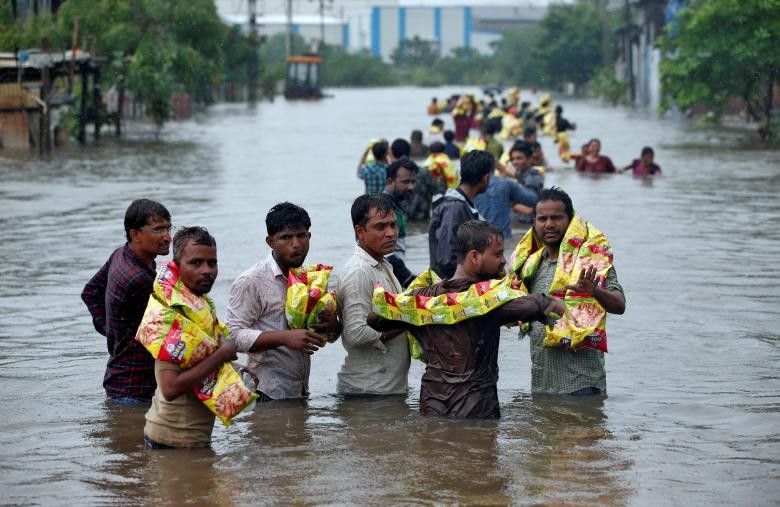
pixel 693 412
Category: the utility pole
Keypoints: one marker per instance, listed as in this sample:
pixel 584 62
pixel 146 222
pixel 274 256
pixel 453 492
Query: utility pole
pixel 252 64
pixel 606 57
pixel 288 36
pixel 322 27
pixel 629 51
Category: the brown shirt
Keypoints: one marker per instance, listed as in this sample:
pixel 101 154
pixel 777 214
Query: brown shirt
pixel 461 372
pixel 181 422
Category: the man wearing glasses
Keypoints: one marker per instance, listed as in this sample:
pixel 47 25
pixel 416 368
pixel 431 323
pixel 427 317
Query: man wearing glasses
pixel 117 295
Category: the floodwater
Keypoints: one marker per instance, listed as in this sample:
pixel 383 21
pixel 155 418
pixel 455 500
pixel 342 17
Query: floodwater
pixel 694 390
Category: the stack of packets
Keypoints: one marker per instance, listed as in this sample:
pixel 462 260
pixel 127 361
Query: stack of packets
pixel 440 165
pixel 308 296
pixel 450 308
pixel 181 328
pixel 583 246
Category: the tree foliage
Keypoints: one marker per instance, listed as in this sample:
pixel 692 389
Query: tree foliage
pixel 156 46
pixel 721 49
pixel 569 45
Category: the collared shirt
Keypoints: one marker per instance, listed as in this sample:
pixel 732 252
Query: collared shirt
pixel 557 370
pixel 495 204
pixel 370 367
pixel 116 298
pixel 374 175
pixel 256 305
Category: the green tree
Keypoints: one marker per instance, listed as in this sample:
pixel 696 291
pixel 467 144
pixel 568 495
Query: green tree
pixel 466 66
pixel 355 69
pixel 719 49
pixel 513 57
pixel 569 45
pixel 414 52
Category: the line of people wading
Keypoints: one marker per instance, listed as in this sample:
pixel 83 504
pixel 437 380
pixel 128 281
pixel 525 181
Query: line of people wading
pixel 561 275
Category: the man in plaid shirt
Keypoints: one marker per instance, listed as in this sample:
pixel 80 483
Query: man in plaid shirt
pixel 117 295
pixel 374 174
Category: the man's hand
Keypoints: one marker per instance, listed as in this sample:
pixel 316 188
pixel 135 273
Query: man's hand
pixel 587 282
pixel 328 323
pixel 556 306
pixel 303 340
pixel 228 349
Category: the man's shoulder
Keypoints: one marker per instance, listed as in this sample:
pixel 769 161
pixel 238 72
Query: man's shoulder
pixel 261 270
pixel 125 269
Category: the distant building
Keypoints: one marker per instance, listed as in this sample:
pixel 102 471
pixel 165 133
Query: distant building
pixel 378 26
pixel 639 58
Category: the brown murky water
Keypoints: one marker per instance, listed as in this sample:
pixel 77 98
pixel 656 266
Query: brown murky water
pixel 694 390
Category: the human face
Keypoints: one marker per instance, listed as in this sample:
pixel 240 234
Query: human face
pixel 379 235
pixel 198 267
pixel 647 159
pixel 551 222
pixel 401 187
pixel 537 158
pixel 491 262
pixel 594 148
pixel 519 161
pixel 152 239
pixel 290 246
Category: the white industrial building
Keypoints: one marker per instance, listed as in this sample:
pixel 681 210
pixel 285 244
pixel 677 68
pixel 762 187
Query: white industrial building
pixel 378 26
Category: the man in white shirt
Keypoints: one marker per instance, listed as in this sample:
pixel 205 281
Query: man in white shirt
pixel 279 357
pixel 376 362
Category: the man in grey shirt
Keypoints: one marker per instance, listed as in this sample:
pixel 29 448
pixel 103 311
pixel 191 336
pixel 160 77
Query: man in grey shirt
pixel 279 357
pixel 559 370
pixel 376 362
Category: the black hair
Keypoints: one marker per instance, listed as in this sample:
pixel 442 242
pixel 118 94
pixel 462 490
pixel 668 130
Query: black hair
pixel 558 109
pixel 141 212
pixel 400 148
pixel 535 145
pixel 556 194
pixel 437 147
pixel 475 235
pixel 449 136
pixel 417 136
pixel 525 104
pixel 475 165
pixel 594 139
pixel 523 147
pixel 198 236
pixel 405 162
pixel 379 149
pixel 647 151
pixel 286 214
pixel 529 131
pixel 361 208
pixel 437 121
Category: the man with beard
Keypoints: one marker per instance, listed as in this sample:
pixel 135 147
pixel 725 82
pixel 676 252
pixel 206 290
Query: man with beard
pixel 116 298
pixel 377 363
pixel 461 370
pixel 279 357
pixel 401 176
pixel 559 370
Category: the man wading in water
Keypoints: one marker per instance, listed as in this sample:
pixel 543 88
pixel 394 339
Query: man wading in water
pixel 116 298
pixel 462 359
pixel 558 370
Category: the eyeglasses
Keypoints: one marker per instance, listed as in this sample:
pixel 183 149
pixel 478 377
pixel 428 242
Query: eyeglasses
pixel 159 231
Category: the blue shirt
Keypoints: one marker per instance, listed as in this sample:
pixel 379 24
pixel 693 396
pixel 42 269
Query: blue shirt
pixel 495 204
